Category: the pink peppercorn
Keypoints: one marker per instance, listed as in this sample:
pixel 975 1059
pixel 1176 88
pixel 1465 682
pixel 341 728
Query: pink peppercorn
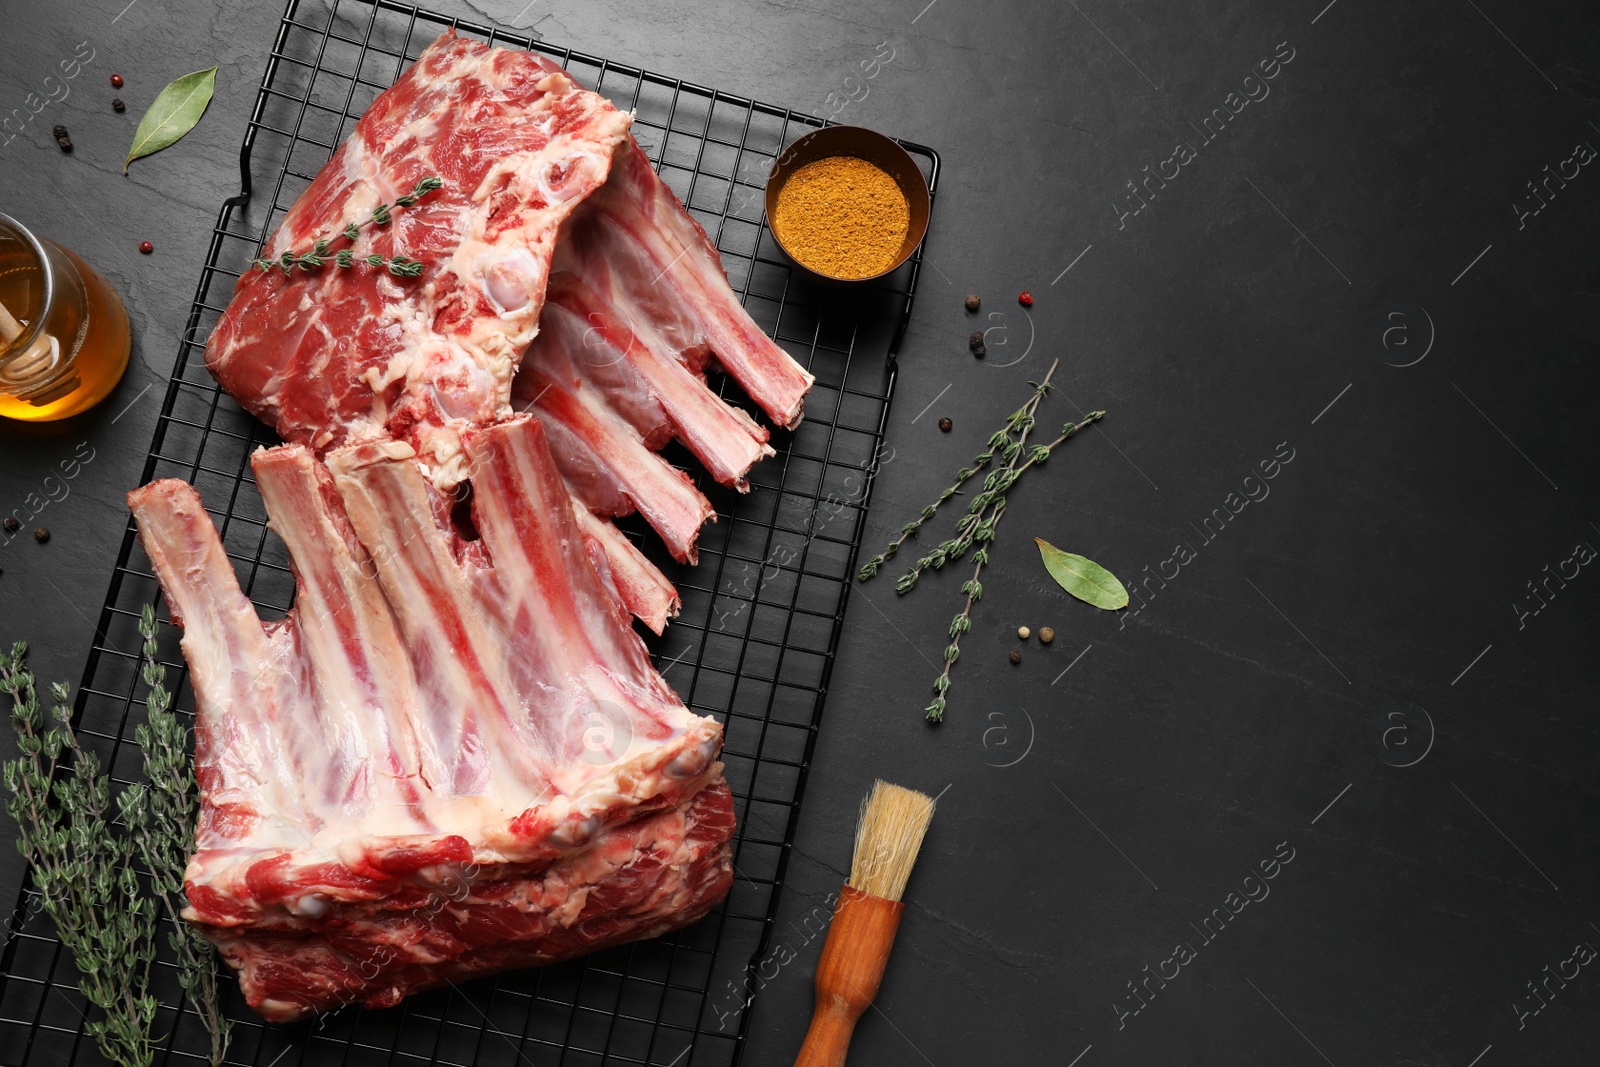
pixel 1025 298
pixel 116 81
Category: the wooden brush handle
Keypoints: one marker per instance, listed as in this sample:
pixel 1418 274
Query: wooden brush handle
pixel 848 973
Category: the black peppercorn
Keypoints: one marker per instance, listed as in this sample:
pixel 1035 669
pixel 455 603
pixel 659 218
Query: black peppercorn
pixel 41 534
pixel 944 424
pixel 117 105
pixel 972 302
pixel 980 351
pixel 975 340
pixel 1016 657
pixel 58 131
pixel 11 524
pixel 65 143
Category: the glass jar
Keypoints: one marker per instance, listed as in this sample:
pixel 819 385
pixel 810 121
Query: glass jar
pixel 64 338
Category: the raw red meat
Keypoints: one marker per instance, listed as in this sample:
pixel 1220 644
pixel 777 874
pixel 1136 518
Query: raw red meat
pixel 600 344
pixel 332 355
pixel 453 756
pixel 639 307
pixel 634 246
pixel 640 588
pixel 636 308
pixel 605 460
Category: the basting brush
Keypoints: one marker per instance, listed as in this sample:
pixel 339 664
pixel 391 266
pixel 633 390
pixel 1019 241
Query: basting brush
pixel 893 820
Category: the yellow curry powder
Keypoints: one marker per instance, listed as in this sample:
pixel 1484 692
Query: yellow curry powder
pixel 842 216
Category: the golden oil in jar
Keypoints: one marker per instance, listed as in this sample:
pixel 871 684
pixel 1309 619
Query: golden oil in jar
pixel 64 337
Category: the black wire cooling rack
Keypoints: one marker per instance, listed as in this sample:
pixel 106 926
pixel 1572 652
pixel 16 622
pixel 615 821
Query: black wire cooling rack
pixel 753 647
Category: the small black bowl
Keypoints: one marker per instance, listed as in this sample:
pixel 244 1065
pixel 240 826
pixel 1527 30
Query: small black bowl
pixel 872 146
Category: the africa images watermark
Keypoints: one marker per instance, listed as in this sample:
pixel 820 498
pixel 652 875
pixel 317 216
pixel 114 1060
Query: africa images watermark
pixel 852 90
pixel 1253 889
pixel 1253 489
pixel 1403 732
pixel 745 588
pixel 1211 127
pixel 1542 192
pixel 56 489
pixel 997 740
pixel 811 925
pixel 55 89
pixel 1583 954
pixel 1543 592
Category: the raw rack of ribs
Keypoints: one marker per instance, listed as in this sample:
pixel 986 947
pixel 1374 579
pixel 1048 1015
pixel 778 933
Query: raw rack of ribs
pixel 639 304
pixel 451 757
pixel 332 356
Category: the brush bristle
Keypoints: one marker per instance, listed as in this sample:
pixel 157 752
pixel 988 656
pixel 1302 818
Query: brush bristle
pixel 893 821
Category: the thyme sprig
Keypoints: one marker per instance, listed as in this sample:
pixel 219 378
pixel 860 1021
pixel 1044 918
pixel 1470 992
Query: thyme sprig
pixel 973 524
pixel 976 526
pixel 998 442
pixel 160 814
pixel 981 532
pixel 960 625
pixel 382 215
pixel 1010 455
pixel 82 870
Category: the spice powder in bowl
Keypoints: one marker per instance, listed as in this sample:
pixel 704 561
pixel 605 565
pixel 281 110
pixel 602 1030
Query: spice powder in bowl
pixel 843 217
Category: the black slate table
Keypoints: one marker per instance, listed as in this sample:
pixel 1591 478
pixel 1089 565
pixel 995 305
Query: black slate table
pixel 1325 792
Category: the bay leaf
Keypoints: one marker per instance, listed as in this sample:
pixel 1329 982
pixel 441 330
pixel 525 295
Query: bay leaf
pixel 1083 578
pixel 174 113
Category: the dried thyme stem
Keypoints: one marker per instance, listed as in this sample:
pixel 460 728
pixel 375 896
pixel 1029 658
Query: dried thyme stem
pixel 995 485
pixel 962 623
pixel 983 531
pixel 978 527
pixel 998 442
pixel 382 215
pixel 82 870
pixel 1039 454
pixel 161 816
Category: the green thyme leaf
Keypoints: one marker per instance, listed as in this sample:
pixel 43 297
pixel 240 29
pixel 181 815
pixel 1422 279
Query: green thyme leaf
pixel 82 868
pixel 321 253
pixel 160 817
pixel 978 526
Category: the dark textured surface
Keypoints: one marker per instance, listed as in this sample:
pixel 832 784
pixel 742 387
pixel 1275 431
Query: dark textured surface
pixel 1187 740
